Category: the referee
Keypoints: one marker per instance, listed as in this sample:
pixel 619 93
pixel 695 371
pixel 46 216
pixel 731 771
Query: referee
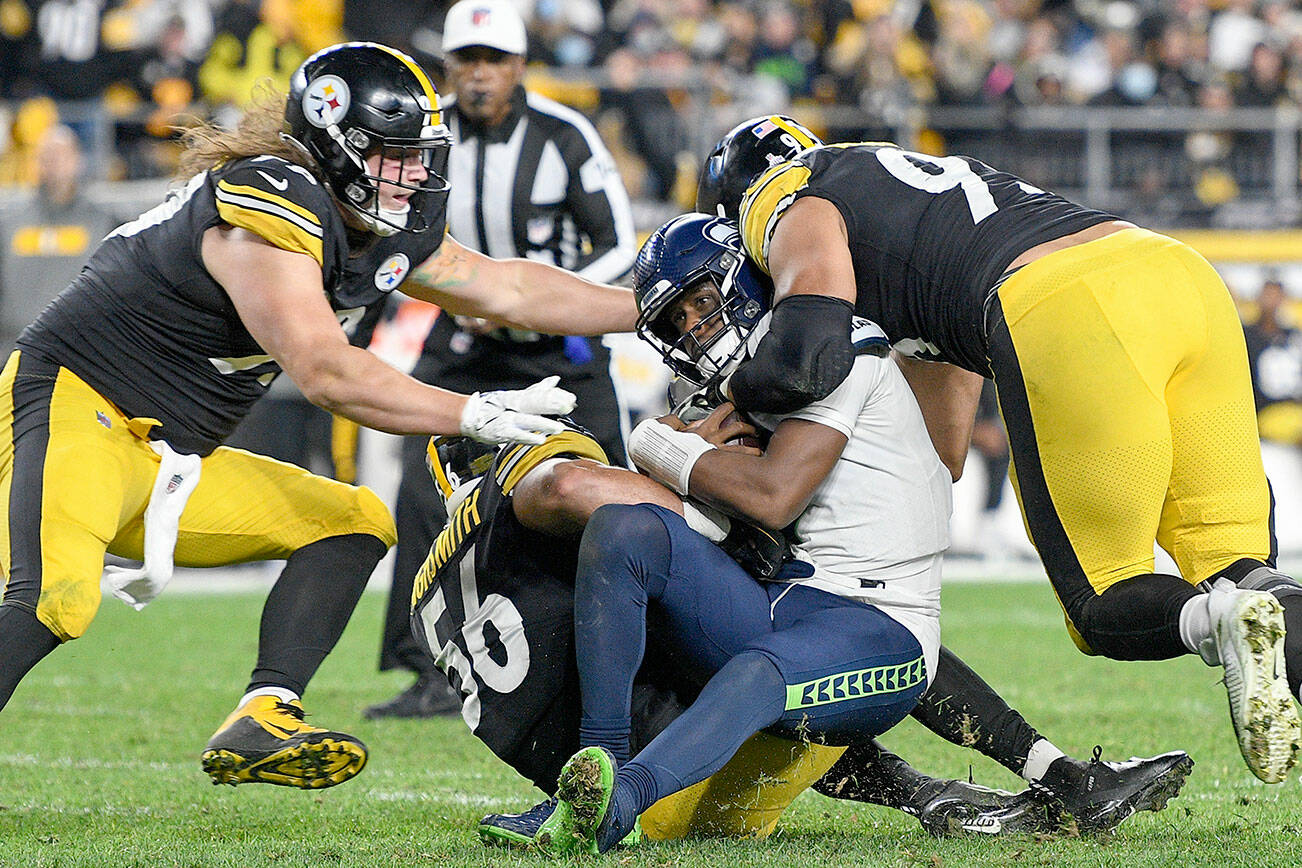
pixel 530 178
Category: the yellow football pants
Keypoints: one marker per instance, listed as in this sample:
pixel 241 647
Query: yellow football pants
pixel 745 798
pixel 76 476
pixel 1123 381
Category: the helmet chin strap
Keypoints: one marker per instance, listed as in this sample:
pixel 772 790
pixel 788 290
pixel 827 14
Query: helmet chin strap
pixel 396 219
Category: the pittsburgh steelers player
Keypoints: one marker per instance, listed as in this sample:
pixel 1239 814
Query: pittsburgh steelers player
pixel 494 605
pixel 820 652
pixel 117 398
pixel 1120 367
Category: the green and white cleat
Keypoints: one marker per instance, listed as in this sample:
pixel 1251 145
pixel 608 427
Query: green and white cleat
pixel 583 793
pixel 1248 627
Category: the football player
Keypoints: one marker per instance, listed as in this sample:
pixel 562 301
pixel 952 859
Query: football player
pixel 118 396
pixel 494 605
pixel 1119 362
pixel 825 648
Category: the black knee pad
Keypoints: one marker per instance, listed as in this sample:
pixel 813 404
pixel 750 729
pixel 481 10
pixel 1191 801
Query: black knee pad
pixel 1135 619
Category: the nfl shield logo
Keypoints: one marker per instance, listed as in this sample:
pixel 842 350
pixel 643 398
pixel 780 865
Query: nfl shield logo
pixel 103 419
pixel 479 17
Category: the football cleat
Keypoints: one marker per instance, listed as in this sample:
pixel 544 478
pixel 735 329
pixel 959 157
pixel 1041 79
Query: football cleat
pixel 515 830
pixel 430 696
pixel 952 808
pixel 583 793
pixel 1248 627
pixel 1097 795
pixel 266 741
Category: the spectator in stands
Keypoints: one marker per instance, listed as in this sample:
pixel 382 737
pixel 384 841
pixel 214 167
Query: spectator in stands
pixel 1232 34
pixel 17 51
pixel 529 178
pixel 45 240
pixel 652 127
pixel 783 54
pixel 1263 84
pixel 741 33
pixel 76 61
pixel 1275 359
pixel 961 54
pixel 254 41
pixel 1175 64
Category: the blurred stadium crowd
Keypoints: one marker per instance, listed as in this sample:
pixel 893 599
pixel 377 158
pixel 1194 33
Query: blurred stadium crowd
pixel 674 72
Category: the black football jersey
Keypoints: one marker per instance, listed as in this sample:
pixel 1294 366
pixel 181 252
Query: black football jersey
pixel 148 328
pixel 383 266
pixel 494 605
pixel 929 236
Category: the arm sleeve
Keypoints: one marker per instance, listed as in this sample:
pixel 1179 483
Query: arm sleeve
pixel 806 354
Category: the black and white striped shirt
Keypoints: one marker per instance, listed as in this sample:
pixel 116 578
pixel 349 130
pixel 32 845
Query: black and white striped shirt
pixel 543 187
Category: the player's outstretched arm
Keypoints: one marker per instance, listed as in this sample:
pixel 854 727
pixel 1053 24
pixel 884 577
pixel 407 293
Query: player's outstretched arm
pixel 520 293
pixel 281 301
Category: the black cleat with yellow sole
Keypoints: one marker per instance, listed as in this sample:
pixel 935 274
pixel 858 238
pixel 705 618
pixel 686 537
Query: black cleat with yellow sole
pixel 265 741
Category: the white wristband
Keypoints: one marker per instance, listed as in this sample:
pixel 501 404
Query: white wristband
pixel 668 456
pixel 708 522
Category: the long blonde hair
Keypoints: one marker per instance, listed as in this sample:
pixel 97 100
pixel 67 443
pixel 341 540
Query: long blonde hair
pixel 257 133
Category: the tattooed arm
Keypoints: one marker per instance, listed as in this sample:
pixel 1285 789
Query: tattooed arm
pixel 520 293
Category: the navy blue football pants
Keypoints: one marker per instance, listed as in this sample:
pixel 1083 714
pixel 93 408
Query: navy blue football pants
pixel 792 659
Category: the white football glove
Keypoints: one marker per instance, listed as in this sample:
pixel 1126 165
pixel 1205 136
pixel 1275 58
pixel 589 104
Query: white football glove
pixel 511 415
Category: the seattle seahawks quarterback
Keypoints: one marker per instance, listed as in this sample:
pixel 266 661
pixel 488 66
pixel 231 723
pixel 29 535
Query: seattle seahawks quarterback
pixel 843 640
pixel 118 396
pixel 1121 373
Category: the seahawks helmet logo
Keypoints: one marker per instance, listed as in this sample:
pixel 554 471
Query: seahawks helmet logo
pixel 392 272
pixel 325 101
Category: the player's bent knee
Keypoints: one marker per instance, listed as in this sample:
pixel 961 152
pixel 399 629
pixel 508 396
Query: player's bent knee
pixel 67 608
pixel 747 796
pixel 618 531
pixel 371 516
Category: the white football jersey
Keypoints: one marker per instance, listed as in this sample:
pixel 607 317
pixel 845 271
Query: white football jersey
pixel 876 527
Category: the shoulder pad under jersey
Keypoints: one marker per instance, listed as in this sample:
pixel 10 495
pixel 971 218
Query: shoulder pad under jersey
pixel 276 199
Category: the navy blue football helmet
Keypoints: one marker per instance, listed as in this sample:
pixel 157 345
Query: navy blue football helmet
pixel 686 254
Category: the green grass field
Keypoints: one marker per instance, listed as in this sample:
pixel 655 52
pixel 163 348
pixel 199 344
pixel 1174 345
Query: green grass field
pixel 99 758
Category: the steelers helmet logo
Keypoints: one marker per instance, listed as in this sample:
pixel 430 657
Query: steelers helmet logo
pixel 392 272
pixel 325 101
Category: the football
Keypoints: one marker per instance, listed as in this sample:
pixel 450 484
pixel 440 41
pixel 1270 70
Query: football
pixel 747 440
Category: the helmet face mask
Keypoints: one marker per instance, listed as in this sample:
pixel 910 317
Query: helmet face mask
pixel 367 115
pixel 748 150
pixel 687 262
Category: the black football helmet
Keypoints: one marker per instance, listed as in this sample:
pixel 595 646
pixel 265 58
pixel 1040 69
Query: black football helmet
pixel 454 461
pixel 351 101
pixel 675 259
pixel 737 160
